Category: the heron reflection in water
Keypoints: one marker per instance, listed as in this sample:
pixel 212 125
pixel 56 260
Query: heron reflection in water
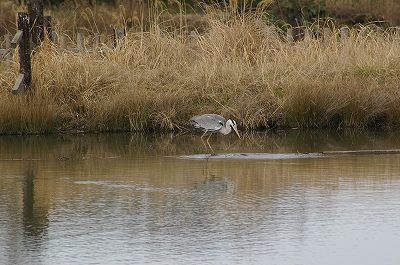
pixel 212 123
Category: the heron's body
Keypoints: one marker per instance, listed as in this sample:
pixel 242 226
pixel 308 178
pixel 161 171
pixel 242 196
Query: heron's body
pixel 208 122
pixel 212 123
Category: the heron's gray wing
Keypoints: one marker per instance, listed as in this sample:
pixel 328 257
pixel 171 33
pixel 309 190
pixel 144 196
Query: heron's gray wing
pixel 209 122
pixel 217 117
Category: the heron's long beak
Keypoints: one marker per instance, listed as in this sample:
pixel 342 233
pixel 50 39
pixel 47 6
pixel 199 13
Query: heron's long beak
pixel 236 131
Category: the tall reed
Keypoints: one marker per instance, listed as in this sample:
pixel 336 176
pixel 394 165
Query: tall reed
pixel 241 67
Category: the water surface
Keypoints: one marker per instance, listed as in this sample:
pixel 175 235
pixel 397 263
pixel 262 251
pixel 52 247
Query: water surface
pixel 137 199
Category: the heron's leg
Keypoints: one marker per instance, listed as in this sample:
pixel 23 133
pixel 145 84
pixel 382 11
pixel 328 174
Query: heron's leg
pixel 212 150
pixel 203 134
pixel 205 146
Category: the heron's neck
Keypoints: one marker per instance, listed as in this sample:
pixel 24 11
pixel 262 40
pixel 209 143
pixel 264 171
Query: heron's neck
pixel 226 129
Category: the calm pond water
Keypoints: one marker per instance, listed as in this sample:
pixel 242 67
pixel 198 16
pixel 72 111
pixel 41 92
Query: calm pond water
pixel 145 199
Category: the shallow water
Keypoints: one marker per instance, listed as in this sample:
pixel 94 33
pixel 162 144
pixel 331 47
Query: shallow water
pixel 157 199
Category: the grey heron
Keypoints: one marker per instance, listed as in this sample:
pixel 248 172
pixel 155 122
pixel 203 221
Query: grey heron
pixel 212 123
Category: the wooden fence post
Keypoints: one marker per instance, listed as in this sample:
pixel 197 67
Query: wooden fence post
pixel 298 34
pixel 327 34
pixel 48 27
pixel 8 54
pixel 35 10
pixel 397 32
pixel 54 38
pixel 119 35
pixel 7 39
pixel 24 79
pixel 379 32
pixel 344 34
pixel 308 34
pixel 364 32
pixel 289 35
pixel 79 41
pixel 63 43
pixel 97 40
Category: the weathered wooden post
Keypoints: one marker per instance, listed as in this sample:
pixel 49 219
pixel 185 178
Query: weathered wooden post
pixel 298 33
pixel 379 32
pixel 7 39
pixel 22 38
pixel 35 10
pixel 48 27
pixel 54 38
pixel 63 43
pixel 327 35
pixel 7 53
pixel 289 35
pixel 364 32
pixel 97 40
pixel 308 34
pixel 344 34
pixel 396 33
pixel 79 41
pixel 119 35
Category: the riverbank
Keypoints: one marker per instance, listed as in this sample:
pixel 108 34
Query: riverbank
pixel 241 68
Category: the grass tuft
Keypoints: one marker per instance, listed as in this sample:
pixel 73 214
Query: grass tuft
pixel 240 67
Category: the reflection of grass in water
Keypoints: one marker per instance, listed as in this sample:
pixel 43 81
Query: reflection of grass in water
pixel 143 145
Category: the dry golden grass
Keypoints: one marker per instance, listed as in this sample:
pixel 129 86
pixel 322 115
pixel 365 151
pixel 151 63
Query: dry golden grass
pixel 241 67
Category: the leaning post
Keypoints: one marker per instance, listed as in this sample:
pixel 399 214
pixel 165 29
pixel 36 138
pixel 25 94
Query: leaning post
pixel 25 77
pixel 35 10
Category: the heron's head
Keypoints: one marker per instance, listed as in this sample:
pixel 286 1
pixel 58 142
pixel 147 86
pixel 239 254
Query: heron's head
pixel 233 125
